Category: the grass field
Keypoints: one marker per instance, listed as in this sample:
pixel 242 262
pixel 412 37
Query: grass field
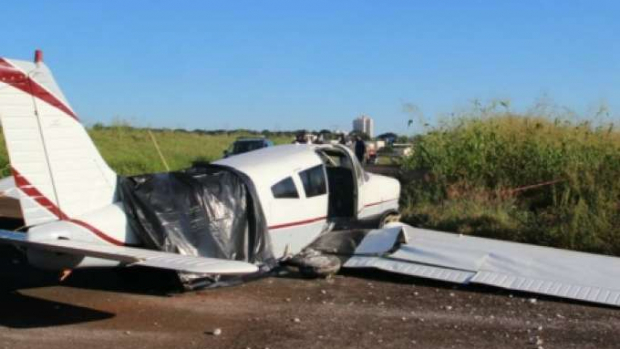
pixel 131 151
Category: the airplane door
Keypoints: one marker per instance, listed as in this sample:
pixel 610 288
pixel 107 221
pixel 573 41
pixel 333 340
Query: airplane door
pixel 299 210
pixel 359 182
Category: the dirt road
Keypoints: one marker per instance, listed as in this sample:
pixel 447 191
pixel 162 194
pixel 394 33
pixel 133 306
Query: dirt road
pixel 103 309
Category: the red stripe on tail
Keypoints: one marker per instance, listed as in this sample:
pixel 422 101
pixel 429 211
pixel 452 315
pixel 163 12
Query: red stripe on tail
pixel 27 188
pixel 10 75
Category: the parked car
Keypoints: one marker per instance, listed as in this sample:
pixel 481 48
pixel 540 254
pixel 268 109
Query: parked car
pixel 244 145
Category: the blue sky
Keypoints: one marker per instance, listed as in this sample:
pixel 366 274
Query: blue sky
pixel 316 64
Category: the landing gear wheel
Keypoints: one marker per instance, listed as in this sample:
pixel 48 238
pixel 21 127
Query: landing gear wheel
pixel 389 218
pixel 314 264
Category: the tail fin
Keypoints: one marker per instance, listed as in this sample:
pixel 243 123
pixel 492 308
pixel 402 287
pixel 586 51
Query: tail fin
pixel 55 163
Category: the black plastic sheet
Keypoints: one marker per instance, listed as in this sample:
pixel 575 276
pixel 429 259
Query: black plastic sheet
pixel 208 211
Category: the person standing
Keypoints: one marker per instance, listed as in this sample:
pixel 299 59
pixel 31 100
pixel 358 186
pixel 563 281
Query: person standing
pixel 360 149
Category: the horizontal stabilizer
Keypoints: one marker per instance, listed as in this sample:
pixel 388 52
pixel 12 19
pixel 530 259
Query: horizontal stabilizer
pixel 464 259
pixel 134 256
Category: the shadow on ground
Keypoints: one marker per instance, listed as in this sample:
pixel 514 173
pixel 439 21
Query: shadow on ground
pixel 17 274
pixel 22 311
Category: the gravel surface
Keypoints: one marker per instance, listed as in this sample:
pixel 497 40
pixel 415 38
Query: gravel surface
pixel 139 309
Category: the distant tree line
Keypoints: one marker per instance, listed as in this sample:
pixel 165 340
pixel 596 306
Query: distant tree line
pixel 327 134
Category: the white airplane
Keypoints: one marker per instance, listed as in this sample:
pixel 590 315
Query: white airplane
pixel 70 198
pixel 70 201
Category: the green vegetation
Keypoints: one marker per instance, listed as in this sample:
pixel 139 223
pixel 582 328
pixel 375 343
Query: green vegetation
pixel 131 151
pixel 524 178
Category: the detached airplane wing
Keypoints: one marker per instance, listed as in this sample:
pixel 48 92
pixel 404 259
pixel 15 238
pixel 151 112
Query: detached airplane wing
pixel 464 259
pixel 133 256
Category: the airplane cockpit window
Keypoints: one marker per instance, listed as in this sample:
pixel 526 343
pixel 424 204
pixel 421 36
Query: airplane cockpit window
pixel 313 180
pixel 285 189
pixel 335 159
pixel 359 172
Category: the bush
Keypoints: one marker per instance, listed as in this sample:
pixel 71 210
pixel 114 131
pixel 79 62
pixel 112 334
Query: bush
pixel 523 178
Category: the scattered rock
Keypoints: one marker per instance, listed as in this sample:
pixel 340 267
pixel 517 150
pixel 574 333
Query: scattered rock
pixel 127 333
pixel 532 300
pixel 297 320
pixel 216 331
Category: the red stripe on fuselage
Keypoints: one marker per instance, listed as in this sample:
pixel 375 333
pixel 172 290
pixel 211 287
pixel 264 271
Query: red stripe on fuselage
pixel 11 75
pixel 378 203
pixel 96 231
pixel 292 224
pixel 27 188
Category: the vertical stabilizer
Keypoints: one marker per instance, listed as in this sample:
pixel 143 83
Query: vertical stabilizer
pixel 55 163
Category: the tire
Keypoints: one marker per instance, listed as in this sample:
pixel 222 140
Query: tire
pixel 389 217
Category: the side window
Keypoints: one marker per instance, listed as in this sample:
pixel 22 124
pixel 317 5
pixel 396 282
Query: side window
pixel 314 181
pixel 285 189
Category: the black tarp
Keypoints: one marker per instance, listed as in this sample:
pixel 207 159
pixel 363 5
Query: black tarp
pixel 208 210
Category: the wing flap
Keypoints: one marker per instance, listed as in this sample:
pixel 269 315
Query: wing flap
pixel 464 259
pixel 134 256
pixel 413 269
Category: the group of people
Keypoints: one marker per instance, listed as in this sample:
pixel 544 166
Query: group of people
pixel 359 144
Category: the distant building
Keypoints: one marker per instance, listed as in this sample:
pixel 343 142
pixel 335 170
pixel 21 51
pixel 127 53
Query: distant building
pixel 364 124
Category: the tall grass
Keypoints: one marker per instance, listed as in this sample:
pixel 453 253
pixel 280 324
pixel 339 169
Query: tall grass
pixel 519 177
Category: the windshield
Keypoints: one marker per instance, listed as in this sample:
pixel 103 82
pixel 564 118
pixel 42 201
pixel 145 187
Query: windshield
pixel 246 146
